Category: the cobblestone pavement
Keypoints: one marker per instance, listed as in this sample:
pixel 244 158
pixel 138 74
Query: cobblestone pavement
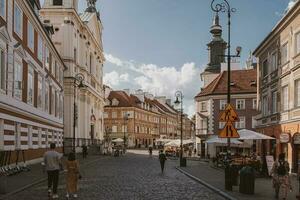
pixel 133 176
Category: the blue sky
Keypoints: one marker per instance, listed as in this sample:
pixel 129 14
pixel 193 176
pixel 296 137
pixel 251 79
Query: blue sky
pixel 160 45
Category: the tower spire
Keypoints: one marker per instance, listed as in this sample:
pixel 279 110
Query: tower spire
pixel 216 28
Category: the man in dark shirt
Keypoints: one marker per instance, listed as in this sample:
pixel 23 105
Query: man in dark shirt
pixel 162 159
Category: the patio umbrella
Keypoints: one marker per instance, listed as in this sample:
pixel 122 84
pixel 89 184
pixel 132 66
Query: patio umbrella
pixel 216 140
pixel 246 134
pixel 118 140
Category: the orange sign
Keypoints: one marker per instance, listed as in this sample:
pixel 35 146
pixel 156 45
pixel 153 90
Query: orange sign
pixel 229 131
pixel 229 114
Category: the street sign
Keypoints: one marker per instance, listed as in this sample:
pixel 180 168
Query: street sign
pixel 229 131
pixel 229 114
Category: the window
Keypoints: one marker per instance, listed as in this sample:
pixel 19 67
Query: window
pixel 40 48
pixel 52 101
pixel 265 110
pixel 91 62
pixel 222 125
pixel 61 106
pixel 47 97
pixel 240 104
pixel 56 103
pixel 297 93
pixel 223 104
pixel 274 102
pixel 240 124
pixel 298 43
pixel 2 70
pixel 40 92
pixel 18 19
pixel 47 60
pixel 57 2
pixel 30 37
pixel 274 61
pixel 284 53
pixel 285 98
pixel 203 107
pixel 254 104
pixel 18 74
pixel 265 68
pixel 114 114
pixel 75 55
pixel 114 129
pixel 30 87
pixel 3 8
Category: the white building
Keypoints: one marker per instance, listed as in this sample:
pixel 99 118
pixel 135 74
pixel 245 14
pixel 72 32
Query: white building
pixel 78 38
pixel 31 83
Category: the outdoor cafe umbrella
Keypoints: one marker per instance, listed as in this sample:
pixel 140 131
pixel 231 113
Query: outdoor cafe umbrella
pixel 246 134
pixel 118 140
pixel 216 140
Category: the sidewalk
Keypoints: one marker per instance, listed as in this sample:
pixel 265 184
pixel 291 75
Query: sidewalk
pixel 215 178
pixel 24 180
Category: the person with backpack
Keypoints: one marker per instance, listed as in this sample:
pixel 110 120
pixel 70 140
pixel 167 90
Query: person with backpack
pixel 281 179
pixel 162 159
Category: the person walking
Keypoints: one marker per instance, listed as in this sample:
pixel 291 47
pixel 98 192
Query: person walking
pixel 162 159
pixel 84 151
pixel 72 167
pixel 52 163
pixel 150 151
pixel 280 176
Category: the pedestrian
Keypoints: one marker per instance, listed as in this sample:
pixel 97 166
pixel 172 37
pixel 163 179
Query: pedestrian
pixel 280 176
pixel 162 160
pixel 84 151
pixel 52 163
pixel 72 167
pixel 195 151
pixel 150 151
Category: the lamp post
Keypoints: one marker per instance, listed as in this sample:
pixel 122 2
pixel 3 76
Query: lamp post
pixel 224 6
pixel 78 82
pixel 125 117
pixel 179 100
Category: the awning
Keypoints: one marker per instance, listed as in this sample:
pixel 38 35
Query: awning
pixel 216 140
pixel 118 140
pixel 246 134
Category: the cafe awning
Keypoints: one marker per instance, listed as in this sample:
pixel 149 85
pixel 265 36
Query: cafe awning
pixel 246 134
pixel 118 140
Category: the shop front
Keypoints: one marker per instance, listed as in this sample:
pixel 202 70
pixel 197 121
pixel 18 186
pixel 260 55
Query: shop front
pixel 296 152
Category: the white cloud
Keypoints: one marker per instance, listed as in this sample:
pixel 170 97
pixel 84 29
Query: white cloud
pixel 158 80
pixel 114 79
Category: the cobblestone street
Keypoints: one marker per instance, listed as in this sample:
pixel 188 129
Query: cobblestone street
pixel 134 176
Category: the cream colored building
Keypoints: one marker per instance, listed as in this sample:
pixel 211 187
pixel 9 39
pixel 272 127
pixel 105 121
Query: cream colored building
pixel 78 38
pixel 278 91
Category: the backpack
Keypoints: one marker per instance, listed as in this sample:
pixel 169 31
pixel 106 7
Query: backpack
pixel 281 169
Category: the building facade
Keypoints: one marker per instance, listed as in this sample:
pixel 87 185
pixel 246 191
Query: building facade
pixel 78 38
pixel 141 119
pixel 279 88
pixel 31 83
pixel 212 101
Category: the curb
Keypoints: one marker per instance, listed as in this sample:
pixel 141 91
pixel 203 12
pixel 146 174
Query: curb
pixel 35 183
pixel 218 191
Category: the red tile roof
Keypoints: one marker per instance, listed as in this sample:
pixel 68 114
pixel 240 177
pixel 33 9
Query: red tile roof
pixel 244 82
pixel 126 100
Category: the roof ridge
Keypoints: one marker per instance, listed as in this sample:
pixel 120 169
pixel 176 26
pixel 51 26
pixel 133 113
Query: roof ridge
pixel 217 81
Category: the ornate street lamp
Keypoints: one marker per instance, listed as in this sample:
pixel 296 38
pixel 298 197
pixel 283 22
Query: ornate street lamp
pixel 225 7
pixel 177 102
pixel 78 82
